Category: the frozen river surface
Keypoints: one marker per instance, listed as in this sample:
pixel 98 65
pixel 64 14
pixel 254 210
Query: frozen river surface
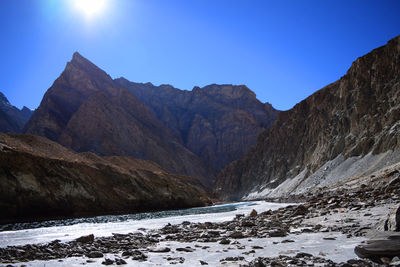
pixel 66 230
pixel 338 249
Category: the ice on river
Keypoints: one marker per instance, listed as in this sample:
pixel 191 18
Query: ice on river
pixel 70 232
pixel 338 249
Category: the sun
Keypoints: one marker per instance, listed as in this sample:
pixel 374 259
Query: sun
pixel 90 7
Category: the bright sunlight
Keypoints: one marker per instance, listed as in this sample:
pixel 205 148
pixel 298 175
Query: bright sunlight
pixel 90 7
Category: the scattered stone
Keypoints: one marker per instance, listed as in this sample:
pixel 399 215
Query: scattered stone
pixel 303 255
pixel 236 235
pixel 203 263
pixel 187 249
pixel 253 213
pixel 232 259
pixel 225 241
pixel 108 262
pixel 300 210
pixel 120 262
pixel 85 239
pixel 95 254
pixel 278 233
pixel 176 260
pixel 160 250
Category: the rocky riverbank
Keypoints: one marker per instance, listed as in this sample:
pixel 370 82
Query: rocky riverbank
pixel 322 231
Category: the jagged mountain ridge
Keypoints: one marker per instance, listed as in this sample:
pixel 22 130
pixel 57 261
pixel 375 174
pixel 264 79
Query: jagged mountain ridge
pixel 217 122
pixel 357 115
pixel 12 119
pixel 40 179
pixel 86 110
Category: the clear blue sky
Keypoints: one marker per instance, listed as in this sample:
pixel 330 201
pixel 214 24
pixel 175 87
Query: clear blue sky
pixel 282 50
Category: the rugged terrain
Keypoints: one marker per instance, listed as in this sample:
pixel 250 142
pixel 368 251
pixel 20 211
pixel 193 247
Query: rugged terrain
pixel 193 133
pixel 40 179
pixel 217 122
pixel 12 119
pixel 325 227
pixel 350 128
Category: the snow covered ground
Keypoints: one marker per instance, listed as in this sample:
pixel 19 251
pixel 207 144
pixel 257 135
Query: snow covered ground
pixel 333 245
pixel 337 250
pixel 71 232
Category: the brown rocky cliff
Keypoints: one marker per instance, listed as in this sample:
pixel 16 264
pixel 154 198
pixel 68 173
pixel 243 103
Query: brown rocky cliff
pixel 357 114
pixel 40 179
pixel 219 123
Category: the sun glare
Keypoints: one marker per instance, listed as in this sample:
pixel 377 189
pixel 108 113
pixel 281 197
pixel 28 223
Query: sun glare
pixel 90 7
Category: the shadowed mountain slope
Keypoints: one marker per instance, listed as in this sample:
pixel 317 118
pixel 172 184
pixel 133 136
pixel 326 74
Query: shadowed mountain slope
pixel 40 179
pixel 12 119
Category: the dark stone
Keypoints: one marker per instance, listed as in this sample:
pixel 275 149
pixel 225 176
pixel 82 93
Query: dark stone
pixel 277 233
pixel 236 235
pixel 85 239
pixel 225 241
pixel 160 250
pixel 187 249
pixel 108 262
pixel 95 254
pixel 120 261
pixel 375 249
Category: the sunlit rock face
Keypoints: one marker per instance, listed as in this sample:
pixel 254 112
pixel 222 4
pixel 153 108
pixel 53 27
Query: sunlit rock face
pixel 219 123
pixel 193 133
pixel 40 179
pixel 354 116
pixel 12 119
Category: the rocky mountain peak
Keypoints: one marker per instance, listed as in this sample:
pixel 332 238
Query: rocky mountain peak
pixel 11 118
pixel 229 91
pixel 3 99
pixel 80 69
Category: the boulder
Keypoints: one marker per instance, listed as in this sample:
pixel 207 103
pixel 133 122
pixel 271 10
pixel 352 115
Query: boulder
pixel 160 250
pixel 392 221
pixel 85 239
pixel 95 254
pixel 376 249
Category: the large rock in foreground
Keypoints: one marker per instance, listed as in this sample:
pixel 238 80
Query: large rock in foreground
pixel 377 249
pixel 40 179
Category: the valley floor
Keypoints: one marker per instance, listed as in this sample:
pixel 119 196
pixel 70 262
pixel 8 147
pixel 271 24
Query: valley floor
pixel 322 231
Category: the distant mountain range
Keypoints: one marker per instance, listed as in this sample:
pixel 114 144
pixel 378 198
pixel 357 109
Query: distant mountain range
pixel 195 133
pixel 12 119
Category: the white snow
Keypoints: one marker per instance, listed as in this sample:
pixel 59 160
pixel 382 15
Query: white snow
pixel 67 233
pixel 338 250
